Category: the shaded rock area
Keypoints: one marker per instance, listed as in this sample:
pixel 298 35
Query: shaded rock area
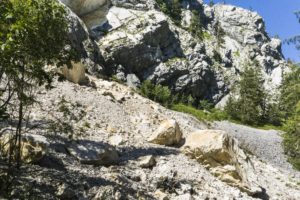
pixel 93 153
pixel 33 147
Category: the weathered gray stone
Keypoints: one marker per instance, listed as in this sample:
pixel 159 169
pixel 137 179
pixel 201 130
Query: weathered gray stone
pixel 93 153
pixel 88 52
pixel 147 161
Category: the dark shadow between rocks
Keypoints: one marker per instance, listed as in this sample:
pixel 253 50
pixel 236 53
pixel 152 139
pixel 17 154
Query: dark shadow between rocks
pixel 133 153
pixel 261 195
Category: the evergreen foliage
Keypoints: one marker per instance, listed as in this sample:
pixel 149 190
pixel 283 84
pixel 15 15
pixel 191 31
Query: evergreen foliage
pixel 290 110
pixel 158 93
pixel 220 33
pixel 250 106
pixel 195 27
pixel 172 8
pixel 290 91
pixel 292 137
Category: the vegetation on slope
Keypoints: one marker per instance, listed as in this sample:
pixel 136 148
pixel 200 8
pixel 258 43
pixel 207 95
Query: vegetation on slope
pixel 251 106
pixel 33 34
pixel 290 110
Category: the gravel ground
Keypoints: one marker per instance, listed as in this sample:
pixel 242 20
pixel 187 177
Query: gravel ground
pixel 266 144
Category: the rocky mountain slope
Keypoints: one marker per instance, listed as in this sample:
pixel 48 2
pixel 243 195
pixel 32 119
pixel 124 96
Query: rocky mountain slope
pixel 101 145
pixel 139 42
pixel 101 139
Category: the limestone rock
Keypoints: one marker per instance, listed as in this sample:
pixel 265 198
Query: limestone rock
pixel 184 197
pixel 116 140
pixel 133 81
pixel 82 43
pixel 147 161
pixel 246 26
pixel 92 12
pixel 135 4
pixel 148 46
pixel 106 193
pixel 168 133
pixel 133 44
pixel 33 147
pixel 222 156
pixel 75 74
pixel 93 153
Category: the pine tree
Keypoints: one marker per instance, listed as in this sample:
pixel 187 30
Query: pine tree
pixel 250 106
pixel 252 96
pixel 290 91
pixel 291 141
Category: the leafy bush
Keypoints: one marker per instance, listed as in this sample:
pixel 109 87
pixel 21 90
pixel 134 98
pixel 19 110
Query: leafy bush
pixel 212 115
pixel 291 141
pixel 205 105
pixel 158 93
pixel 172 8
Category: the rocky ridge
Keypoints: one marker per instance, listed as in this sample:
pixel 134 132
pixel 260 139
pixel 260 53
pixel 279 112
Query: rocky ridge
pixel 140 42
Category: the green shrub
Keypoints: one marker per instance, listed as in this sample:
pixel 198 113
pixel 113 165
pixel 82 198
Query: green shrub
pixel 213 115
pixel 158 93
pixel 195 27
pixel 205 105
pixel 217 57
pixel 172 8
pixel 220 34
pixel 291 141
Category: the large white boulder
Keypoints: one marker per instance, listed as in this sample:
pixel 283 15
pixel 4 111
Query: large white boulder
pixel 222 155
pixel 168 133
